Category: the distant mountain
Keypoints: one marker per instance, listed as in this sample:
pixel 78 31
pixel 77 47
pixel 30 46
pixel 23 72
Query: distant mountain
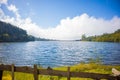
pixel 113 37
pixel 11 33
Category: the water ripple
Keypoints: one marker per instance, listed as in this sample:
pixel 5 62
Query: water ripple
pixel 58 53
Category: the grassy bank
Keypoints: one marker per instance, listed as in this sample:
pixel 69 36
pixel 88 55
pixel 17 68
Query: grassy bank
pixel 82 67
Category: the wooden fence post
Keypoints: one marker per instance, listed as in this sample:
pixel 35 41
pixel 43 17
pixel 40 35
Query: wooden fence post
pixel 35 72
pixel 1 73
pixel 68 78
pixel 68 74
pixel 12 71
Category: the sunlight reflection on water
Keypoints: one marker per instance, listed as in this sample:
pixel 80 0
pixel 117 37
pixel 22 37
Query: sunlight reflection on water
pixel 58 53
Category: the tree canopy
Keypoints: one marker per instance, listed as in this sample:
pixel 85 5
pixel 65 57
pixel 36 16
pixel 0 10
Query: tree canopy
pixel 112 37
pixel 11 33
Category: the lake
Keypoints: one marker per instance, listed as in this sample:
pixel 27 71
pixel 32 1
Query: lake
pixel 58 53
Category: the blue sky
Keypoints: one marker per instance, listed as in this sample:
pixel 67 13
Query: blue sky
pixel 62 19
pixel 48 13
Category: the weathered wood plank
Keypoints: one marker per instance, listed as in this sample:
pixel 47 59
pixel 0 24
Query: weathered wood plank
pixel 24 69
pixel 68 78
pixel 12 71
pixel 57 72
pixel 53 72
pixel 35 72
pixel 5 67
pixel 91 75
pixel 1 73
pixel 118 78
pixel 97 79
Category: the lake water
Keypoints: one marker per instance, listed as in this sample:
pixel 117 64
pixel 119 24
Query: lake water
pixel 58 53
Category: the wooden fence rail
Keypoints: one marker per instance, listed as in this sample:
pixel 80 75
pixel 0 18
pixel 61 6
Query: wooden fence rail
pixel 51 72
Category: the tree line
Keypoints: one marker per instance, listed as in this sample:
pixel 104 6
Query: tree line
pixel 11 33
pixel 111 37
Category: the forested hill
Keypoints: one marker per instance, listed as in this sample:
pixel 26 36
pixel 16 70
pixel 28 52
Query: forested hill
pixel 11 33
pixel 113 37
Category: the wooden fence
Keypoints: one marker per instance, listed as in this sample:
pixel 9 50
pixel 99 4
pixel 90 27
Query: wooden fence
pixel 35 71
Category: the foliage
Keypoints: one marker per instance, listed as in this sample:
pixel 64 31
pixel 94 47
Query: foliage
pixel 113 37
pixel 43 39
pixel 11 33
pixel 83 37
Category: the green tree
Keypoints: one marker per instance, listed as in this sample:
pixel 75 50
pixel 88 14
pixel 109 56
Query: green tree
pixel 83 37
pixel 113 37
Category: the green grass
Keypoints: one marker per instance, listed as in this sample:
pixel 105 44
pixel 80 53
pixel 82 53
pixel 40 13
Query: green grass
pixel 82 67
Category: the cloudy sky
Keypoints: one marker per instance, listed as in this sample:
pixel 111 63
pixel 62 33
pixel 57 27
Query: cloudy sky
pixel 62 19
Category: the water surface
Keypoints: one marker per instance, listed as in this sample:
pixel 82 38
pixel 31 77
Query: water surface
pixel 58 53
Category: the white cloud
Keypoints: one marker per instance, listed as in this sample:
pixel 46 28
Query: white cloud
pixel 14 10
pixel 70 29
pixel 3 1
pixel 1 13
pixel 67 29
